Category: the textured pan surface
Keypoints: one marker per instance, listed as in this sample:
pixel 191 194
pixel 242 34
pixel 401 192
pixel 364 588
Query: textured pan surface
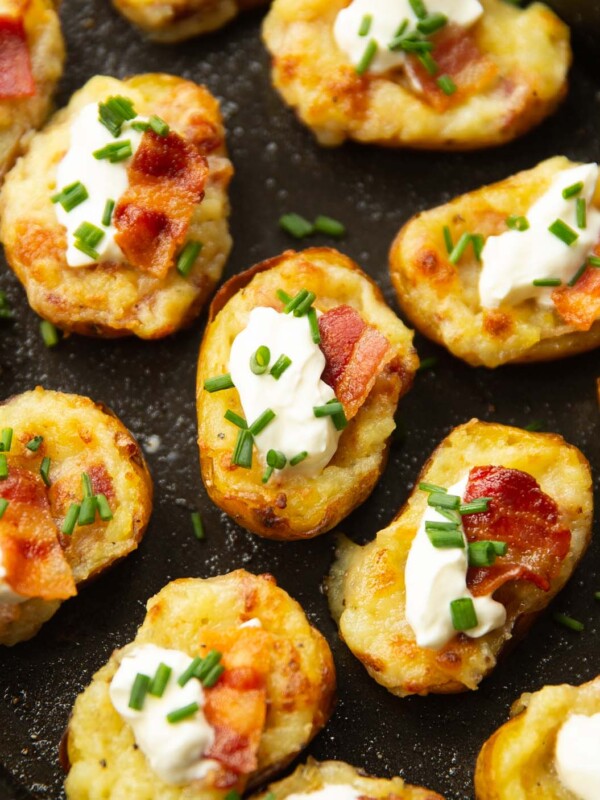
pixel 430 741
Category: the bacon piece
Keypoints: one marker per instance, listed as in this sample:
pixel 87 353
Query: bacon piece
pixel 236 706
pixel 166 181
pixel 457 54
pixel 579 305
pixel 16 78
pixel 354 354
pixel 521 515
pixel 31 554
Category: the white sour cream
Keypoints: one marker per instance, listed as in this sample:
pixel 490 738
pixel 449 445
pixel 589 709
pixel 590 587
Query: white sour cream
pixel 434 577
pixel 387 16
pixel 174 750
pixel 103 181
pixel 334 791
pixel 295 428
pixel 513 260
pixel 577 757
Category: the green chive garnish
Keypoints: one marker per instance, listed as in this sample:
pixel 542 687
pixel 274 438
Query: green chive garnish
pixel 103 508
pixel 114 151
pixel 367 57
pixel 86 485
pixel 280 366
pixel 593 261
pixel 569 622
pixel 572 191
pixel 446 539
pixel 45 470
pixel 139 691
pixel 3 467
pixel 108 212
pixel 231 416
pixel 433 525
pixel 6 439
pixel 500 548
pixel 233 795
pixel 577 275
pixel 535 425
pixel 114 112
pixel 34 444
pixel 297 459
pixel 563 232
pixel 412 44
pixel 182 713
pixel 3 506
pixel 197 525
pixel 463 614
pixel 448 239
pixel 261 422
pixel 49 333
pixel 207 664
pixel 477 506
pixel 477 241
pixel 481 554
pixel 517 223
pixel 460 248
pixel 295 225
pixel 71 196
pixel 329 409
pixel 158 125
pixel 218 383
pixel 418 7
pixel 429 63
pixel 365 25
pixel 597 595
pixel 581 213
pixel 427 363
pixel 267 474
pixel 160 680
pixel 432 23
pixel 446 84
pixel 185 259
pixel 303 307
pixel 547 282
pixel 6 311
pixel 402 28
pixel 87 512
pixel 213 676
pixel 431 487
pixel 295 301
pixel 140 126
pixel 190 672
pixel 283 296
pixel 276 459
pixel 443 500
pixel 259 360
pixel 89 234
pixel 242 453
pixel 85 248
pixel 313 322
pixel 71 519
pixel 330 226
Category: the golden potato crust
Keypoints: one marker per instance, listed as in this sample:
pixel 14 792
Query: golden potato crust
pixel 299 507
pixel 19 116
pixel 529 46
pixel 517 761
pixel 366 585
pixel 79 436
pixel 103 760
pixel 442 300
pixel 176 20
pixel 111 299
pixel 315 775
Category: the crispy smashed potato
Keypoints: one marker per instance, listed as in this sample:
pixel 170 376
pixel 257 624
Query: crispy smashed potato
pixel 177 20
pixel 104 761
pixel 442 299
pixel 367 588
pixel 115 299
pixel 517 761
pixel 315 776
pixel 78 436
pixel 19 115
pixel 528 48
pixel 299 507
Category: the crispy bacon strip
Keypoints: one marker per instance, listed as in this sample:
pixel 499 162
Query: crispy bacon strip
pixel 166 181
pixel 16 78
pixel 521 515
pixel 457 54
pixel 579 305
pixel 236 706
pixel 355 354
pixel 31 554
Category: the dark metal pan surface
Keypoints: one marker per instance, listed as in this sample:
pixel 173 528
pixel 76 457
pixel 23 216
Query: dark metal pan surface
pixel 431 741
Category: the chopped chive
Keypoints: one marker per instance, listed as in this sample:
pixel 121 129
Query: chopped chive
pixel 298 298
pixel 139 691
pixel 330 226
pixel 280 366
pixel 427 363
pixel 213 676
pixel 431 487
pixel 103 508
pixel 313 322
pixel 231 416
pixel 535 425
pixel 481 554
pixel 159 682
pixel 114 151
pixel 242 453
pixel 261 422
pixel 303 307
pixel 158 125
pixel 547 282
pixel 477 241
pixel 108 212
pixel 71 519
pixel 432 525
pixel 464 616
pixel 517 223
pixel 329 409
pixel 283 296
pixel 411 44
pixel 448 239
pixel 460 248
pixel 450 514
pixel 114 112
pixel 365 25
pixel 3 506
pixel 45 470
pixel 233 795
pixel 190 671
pixel 3 467
pixel 6 439
pixel 140 126
pixel 432 23
pixel 443 500
pixel 182 713
pixel 427 60
pixel 34 444
pixel 367 57
pixel 597 595
pixel 197 525
pixel 477 506
pixel 418 7
pixel 446 84
pixel 86 485
pixel 573 190
pixel 87 512
pixel 569 622
pixel 563 232
pixel 577 275
pixel 295 225
pixel 581 213
pixel 85 248
pixel 185 259
pixel 71 196
pixel 297 459
pixel 401 28
pixel 218 383
pixel 49 333
pixel 259 360
pixel 593 261
pixel 267 474
pixel 6 311
pixel 276 459
pixel 446 539
pixel 210 660
pixel 500 548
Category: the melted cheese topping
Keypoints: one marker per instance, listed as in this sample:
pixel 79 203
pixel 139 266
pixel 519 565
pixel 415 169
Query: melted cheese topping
pixel 577 756
pixel 7 595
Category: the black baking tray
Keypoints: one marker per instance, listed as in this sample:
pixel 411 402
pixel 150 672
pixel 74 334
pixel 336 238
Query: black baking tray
pixel 431 741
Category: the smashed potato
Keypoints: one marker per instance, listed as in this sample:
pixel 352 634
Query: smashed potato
pixel 177 20
pixel 527 51
pixel 315 776
pixel 56 439
pixel 35 54
pixel 442 299
pixel 517 761
pixel 367 584
pixel 107 298
pixel 297 507
pixel 104 760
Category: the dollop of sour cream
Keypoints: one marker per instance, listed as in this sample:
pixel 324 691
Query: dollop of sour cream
pixel 434 577
pixel 103 181
pixel 386 18
pixel 333 791
pixel 513 260
pixel 577 756
pixel 295 429
pixel 173 750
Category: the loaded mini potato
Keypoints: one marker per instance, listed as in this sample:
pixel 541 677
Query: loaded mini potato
pixel 75 496
pixel 116 219
pixel 508 272
pixel 335 780
pixel 494 528
pixel 548 750
pixel 32 54
pixel 236 683
pixel 176 20
pixel 438 74
pixel 300 371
